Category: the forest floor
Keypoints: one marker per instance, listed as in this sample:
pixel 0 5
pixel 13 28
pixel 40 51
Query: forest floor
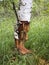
pixel 38 42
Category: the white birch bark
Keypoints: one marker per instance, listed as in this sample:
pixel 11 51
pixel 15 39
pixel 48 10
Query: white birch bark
pixel 24 14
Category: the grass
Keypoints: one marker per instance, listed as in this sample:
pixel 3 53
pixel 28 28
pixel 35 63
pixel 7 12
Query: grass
pixel 38 41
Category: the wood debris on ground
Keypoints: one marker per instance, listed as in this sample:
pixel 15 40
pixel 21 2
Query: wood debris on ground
pixel 43 62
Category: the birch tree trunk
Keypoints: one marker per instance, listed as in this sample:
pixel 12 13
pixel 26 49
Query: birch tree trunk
pixel 23 18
